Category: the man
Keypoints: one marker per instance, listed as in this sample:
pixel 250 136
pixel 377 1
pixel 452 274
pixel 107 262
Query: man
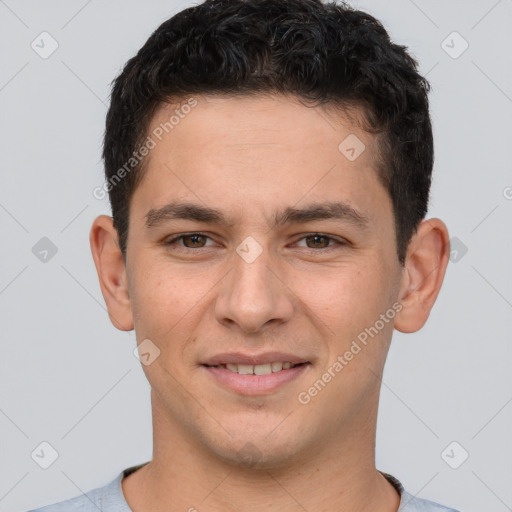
pixel 268 164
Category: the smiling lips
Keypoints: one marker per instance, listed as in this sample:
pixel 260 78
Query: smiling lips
pixel 255 375
pixel 258 369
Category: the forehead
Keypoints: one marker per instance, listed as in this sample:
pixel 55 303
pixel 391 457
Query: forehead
pixel 257 150
pixel 257 120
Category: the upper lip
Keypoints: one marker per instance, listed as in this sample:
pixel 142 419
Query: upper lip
pixel 254 359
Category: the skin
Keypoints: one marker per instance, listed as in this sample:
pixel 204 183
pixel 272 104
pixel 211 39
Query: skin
pixel 250 157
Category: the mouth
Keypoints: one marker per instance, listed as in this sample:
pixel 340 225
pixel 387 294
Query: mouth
pixel 257 369
pixel 255 375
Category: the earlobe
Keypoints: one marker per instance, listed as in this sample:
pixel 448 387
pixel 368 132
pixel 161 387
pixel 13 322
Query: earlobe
pixel 111 270
pixel 425 267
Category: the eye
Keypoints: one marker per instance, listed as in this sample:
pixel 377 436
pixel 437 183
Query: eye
pixel 190 241
pixel 313 241
pixel 320 241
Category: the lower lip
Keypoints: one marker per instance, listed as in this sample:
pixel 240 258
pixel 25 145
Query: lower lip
pixel 255 384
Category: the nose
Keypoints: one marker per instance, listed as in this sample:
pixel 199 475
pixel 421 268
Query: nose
pixel 254 296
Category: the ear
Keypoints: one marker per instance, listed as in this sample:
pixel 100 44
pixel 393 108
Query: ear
pixel 111 272
pixel 425 266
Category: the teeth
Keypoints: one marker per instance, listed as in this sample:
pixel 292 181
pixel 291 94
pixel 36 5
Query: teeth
pixel 262 369
pixel 276 367
pixel 258 369
pixel 245 369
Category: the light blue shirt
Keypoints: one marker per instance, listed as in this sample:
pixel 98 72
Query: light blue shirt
pixel 110 498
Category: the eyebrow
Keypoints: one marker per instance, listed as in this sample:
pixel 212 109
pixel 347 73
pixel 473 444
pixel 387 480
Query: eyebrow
pixel 186 211
pixel 315 211
pixel 318 211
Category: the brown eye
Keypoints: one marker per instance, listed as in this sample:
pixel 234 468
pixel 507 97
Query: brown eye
pixel 196 241
pixel 189 241
pixel 318 241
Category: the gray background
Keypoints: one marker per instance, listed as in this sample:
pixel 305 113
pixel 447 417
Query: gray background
pixel 69 378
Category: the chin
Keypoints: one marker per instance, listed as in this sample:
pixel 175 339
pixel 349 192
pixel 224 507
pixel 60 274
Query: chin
pixel 257 452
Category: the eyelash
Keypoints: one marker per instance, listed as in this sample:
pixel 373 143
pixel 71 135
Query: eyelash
pixel 338 243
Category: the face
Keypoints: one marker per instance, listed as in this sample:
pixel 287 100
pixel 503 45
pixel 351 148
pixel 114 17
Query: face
pixel 254 240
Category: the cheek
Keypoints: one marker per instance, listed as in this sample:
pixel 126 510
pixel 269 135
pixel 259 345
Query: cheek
pixel 166 305
pixel 344 296
pixel 159 299
pixel 345 304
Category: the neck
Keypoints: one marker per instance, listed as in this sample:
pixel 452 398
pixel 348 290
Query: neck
pixel 338 474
